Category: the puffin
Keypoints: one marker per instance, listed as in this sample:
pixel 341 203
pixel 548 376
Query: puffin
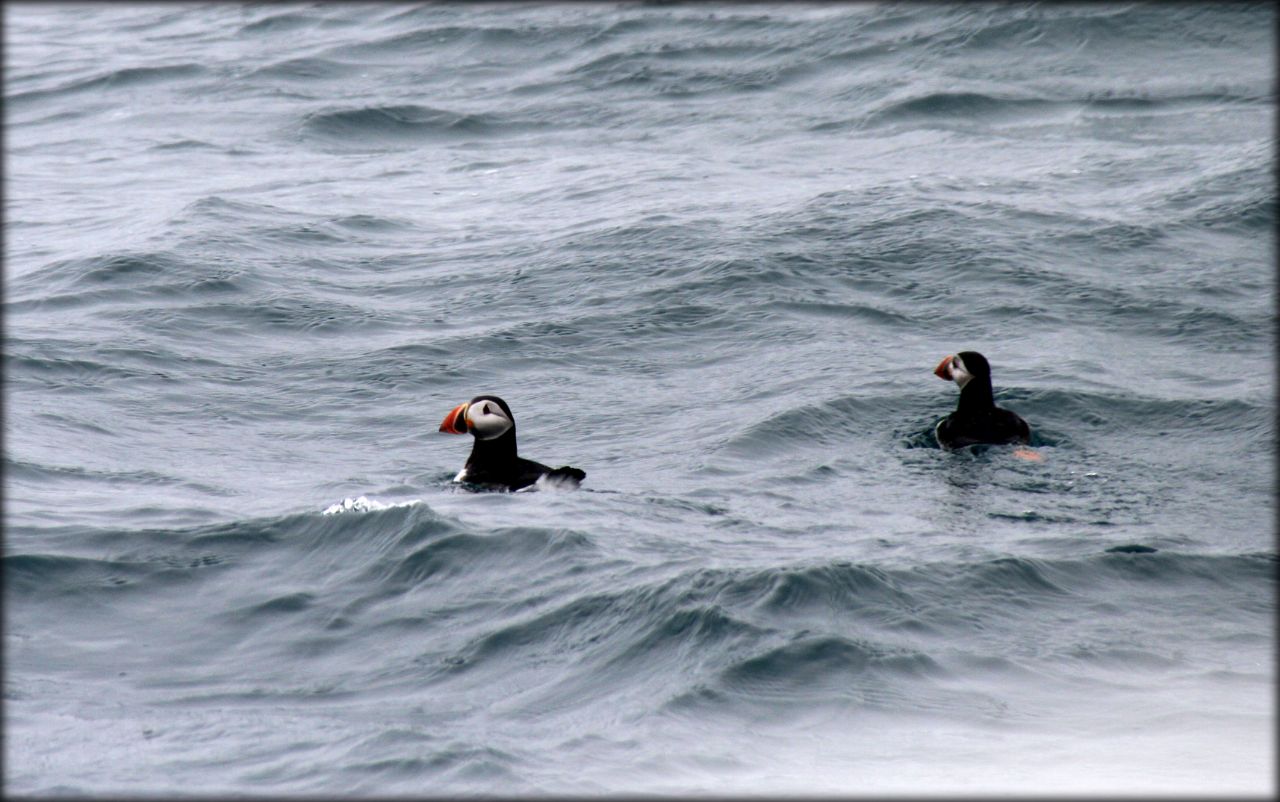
pixel 494 463
pixel 977 419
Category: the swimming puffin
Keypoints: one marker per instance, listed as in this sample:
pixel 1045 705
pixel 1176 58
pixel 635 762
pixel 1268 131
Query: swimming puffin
pixel 493 461
pixel 977 419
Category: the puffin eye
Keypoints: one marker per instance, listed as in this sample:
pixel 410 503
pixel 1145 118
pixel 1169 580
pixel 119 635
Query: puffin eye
pixel 486 409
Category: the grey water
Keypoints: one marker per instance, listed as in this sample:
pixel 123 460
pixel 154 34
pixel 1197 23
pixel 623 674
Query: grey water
pixel 710 254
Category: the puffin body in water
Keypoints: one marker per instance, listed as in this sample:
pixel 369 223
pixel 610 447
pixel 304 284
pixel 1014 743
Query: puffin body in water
pixel 977 419
pixel 493 461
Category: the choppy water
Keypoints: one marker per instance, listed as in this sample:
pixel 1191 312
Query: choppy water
pixel 710 254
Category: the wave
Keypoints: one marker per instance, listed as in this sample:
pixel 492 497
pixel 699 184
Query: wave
pixel 226 545
pixel 70 373
pixel 382 126
pixel 104 83
pixel 256 228
pixel 940 105
pixel 983 110
pixel 743 639
pixel 544 625
pixel 405 544
pixel 676 72
pixel 164 292
pixel 53 575
pixel 1239 198
pixel 21 470
pixel 307 69
pixel 427 38
pixel 51 363
pixel 120 278
pixel 1089 32
pixel 903 255
pixel 281 23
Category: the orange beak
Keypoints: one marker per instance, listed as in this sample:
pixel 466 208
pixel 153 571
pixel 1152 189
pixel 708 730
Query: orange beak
pixel 943 371
pixel 456 421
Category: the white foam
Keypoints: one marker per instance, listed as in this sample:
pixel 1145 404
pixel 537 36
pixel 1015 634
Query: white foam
pixel 547 482
pixel 365 504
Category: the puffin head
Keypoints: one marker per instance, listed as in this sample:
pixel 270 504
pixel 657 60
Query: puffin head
pixel 485 416
pixel 961 368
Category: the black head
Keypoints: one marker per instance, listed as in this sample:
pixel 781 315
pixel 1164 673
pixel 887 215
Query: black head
pixel 975 363
pixel 487 417
pixel 482 400
pixel 971 373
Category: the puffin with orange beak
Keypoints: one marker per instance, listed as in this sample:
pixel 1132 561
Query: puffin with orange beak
pixel 493 463
pixel 977 419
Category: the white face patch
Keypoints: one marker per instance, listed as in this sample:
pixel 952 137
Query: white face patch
pixel 959 373
pixel 487 420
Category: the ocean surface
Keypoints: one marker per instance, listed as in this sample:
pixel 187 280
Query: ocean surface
pixel 710 254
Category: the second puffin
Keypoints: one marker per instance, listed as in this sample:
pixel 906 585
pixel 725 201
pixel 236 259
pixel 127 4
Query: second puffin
pixel 494 463
pixel 977 419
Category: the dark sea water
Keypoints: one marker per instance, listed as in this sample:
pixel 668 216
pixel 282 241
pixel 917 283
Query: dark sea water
pixel 710 254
